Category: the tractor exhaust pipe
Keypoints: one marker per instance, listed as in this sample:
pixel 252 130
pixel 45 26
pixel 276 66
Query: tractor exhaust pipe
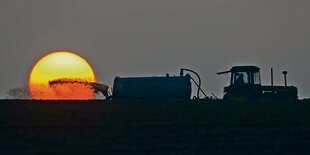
pixel 284 74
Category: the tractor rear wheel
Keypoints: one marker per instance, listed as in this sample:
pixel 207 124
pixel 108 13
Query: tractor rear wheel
pixel 238 96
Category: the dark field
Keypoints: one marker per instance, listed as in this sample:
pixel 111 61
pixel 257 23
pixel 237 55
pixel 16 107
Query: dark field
pixel 98 127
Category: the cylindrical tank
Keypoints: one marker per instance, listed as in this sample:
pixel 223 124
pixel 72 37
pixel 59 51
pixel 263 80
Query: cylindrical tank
pixel 152 88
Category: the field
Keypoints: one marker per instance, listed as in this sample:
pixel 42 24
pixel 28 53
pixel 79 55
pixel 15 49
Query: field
pixel 193 127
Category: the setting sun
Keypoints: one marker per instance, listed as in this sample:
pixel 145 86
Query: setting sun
pixel 61 66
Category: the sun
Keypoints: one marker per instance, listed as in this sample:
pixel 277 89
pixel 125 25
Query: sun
pixel 61 66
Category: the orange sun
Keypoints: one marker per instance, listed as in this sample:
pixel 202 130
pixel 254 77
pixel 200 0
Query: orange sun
pixel 61 66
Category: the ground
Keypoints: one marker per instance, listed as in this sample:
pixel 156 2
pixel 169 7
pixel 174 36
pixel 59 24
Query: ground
pixel 192 127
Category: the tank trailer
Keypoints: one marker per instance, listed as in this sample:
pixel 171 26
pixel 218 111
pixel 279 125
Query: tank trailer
pixel 156 88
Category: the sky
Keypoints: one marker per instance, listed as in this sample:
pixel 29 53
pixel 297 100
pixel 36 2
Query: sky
pixel 155 37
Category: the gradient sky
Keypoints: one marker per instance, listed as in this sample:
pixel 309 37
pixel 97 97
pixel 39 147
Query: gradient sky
pixel 144 37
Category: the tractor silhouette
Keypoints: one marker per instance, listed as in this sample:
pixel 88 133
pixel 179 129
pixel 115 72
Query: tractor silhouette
pixel 245 85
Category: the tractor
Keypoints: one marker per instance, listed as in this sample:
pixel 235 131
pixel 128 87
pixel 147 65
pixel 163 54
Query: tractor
pixel 245 85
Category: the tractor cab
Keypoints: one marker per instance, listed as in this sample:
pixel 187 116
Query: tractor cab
pixel 245 75
pixel 245 83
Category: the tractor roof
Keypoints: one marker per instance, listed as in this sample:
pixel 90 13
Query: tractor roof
pixel 241 69
pixel 244 69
